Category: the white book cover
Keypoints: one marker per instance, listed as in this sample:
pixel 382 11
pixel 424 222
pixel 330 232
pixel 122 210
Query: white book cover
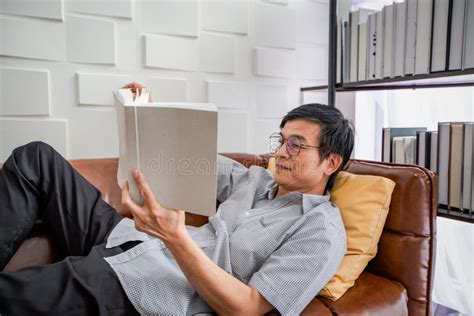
pixel 423 36
pixel 400 38
pixel 388 43
pixel 379 32
pixel 468 56
pixel 362 67
pixel 398 150
pixel 372 43
pixel 409 144
pixel 456 38
pixel 434 152
pixel 410 37
pixel 174 145
pixel 440 35
pixel 354 42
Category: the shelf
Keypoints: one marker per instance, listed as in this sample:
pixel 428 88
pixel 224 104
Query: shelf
pixel 445 79
pixel 456 215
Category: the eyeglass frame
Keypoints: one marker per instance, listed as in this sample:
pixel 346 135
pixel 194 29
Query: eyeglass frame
pixel 285 140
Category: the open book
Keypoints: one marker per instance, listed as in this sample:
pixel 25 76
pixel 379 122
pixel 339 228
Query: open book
pixel 174 145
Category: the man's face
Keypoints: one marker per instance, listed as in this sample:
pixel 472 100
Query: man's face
pixel 304 172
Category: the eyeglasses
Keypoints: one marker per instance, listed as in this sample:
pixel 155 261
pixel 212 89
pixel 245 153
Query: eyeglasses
pixel 293 144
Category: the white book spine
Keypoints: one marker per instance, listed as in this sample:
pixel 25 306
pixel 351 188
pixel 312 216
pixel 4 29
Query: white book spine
pixel 456 38
pixel 400 38
pixel 423 36
pixel 468 166
pixel 410 36
pixel 440 35
pixel 362 67
pixel 389 14
pixel 379 45
pixel 443 161
pixel 468 56
pixel 372 44
pixel 354 49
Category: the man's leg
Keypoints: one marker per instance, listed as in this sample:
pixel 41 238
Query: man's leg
pixel 75 286
pixel 38 183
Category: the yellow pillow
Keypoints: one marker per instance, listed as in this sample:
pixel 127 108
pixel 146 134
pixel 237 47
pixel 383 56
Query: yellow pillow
pixel 363 201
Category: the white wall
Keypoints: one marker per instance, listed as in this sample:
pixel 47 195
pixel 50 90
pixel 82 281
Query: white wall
pixel 60 60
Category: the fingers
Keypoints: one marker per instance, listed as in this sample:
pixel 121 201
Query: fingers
pixel 128 202
pixel 144 188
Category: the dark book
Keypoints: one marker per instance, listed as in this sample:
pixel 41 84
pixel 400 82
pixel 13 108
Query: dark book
pixel 444 134
pixel 423 145
pixel 389 133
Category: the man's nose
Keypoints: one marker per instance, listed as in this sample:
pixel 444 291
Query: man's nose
pixel 282 151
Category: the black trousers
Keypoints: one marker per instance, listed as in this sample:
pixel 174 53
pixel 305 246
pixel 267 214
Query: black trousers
pixel 38 183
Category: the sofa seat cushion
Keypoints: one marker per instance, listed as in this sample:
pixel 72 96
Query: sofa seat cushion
pixel 371 295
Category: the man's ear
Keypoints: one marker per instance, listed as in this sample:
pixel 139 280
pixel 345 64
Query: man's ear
pixel 333 161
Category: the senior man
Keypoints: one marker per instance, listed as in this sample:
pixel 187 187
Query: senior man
pixel 274 242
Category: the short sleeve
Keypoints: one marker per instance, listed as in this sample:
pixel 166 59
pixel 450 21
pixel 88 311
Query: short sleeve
pixel 229 172
pixel 295 273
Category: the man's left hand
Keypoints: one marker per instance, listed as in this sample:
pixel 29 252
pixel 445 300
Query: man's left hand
pixel 152 217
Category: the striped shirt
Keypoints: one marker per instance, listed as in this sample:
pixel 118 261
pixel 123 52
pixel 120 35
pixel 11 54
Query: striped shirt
pixel 287 247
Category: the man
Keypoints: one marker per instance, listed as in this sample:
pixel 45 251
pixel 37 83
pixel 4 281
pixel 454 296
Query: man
pixel 274 242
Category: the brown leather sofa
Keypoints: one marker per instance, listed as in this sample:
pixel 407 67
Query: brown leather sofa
pixel 397 281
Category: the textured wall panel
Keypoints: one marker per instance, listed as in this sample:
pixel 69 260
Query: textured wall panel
pixel 225 16
pixel 262 131
pixel 90 40
pixel 217 53
pixel 16 132
pixel 50 9
pixel 93 133
pixel 115 8
pixel 168 90
pixel 96 89
pixel 311 61
pixel 274 26
pixel 271 101
pixel 274 62
pixel 170 52
pixel 32 39
pixel 170 17
pixel 312 22
pixel 232 131
pixel 228 94
pixel 24 92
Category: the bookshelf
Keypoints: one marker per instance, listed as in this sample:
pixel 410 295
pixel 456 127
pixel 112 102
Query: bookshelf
pixel 440 79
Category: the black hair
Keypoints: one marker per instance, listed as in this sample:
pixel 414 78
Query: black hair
pixel 336 134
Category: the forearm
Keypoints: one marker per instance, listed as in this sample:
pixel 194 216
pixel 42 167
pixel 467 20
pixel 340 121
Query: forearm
pixel 223 292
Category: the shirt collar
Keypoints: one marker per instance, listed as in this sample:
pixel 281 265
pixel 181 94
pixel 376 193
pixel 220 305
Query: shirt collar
pixel 308 201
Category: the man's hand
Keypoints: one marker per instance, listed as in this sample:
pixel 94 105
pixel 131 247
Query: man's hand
pixel 152 217
pixel 134 86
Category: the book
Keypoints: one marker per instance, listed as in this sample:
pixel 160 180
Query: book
pixel 455 166
pixel 468 46
pixel 388 133
pixel 372 44
pixel 346 52
pixel 161 140
pixel 379 32
pixel 400 38
pixel 423 36
pixel 409 143
pixel 456 35
pixel 340 27
pixel 434 151
pixel 411 6
pixel 398 150
pixel 468 167
pixel 444 135
pixel 423 143
pixel 439 35
pixel 388 43
pixel 362 67
pixel 355 18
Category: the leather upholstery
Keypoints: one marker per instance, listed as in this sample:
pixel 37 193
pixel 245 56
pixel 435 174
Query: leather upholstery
pixel 397 281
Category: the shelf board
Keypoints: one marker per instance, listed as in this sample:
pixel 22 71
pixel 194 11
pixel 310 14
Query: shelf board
pixel 456 215
pixel 445 79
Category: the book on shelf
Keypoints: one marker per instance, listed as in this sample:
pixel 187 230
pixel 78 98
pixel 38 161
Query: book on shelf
pixel 400 38
pixel 468 43
pixel 456 35
pixel 388 134
pixel 455 166
pixel 444 135
pixel 362 66
pixel 434 151
pixel 340 27
pixel 440 32
pixel 468 167
pixel 355 19
pixel 379 33
pixel 423 143
pixel 423 36
pixel 372 46
pixel 160 140
pixel 388 43
pixel 411 6
pixel 345 52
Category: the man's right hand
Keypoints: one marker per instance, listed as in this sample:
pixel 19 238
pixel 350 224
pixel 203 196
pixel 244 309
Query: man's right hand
pixel 134 86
